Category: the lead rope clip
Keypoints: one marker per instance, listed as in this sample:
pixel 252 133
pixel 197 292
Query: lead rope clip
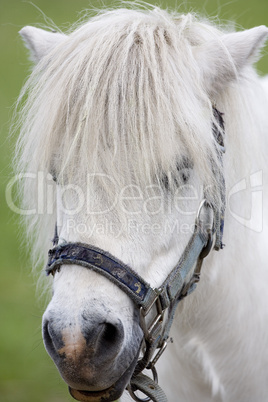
pixel 147 386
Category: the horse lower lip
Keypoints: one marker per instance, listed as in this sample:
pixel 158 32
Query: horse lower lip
pixel 92 396
pixel 110 394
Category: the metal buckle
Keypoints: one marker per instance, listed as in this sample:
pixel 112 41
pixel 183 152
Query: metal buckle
pixel 158 320
pixel 153 332
pixel 151 365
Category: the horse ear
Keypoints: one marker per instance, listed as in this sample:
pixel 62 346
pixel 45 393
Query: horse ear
pixel 222 60
pixel 39 41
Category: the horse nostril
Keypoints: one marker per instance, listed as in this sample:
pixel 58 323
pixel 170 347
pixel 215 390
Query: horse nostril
pixel 51 340
pixel 46 336
pixel 110 333
pixel 110 338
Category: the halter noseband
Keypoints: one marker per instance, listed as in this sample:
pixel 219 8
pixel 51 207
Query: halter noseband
pixel 163 300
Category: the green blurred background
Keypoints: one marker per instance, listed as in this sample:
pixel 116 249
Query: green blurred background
pixel 26 372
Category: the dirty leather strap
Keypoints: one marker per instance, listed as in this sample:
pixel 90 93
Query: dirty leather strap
pixel 104 263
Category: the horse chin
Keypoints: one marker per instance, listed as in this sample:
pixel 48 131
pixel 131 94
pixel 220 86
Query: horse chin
pixel 110 394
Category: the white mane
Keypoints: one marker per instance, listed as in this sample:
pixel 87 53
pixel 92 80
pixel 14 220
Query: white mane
pixel 121 96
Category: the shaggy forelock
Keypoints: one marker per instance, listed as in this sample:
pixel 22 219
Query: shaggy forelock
pixel 122 96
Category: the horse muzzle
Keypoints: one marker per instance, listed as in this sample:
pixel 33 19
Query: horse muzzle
pixel 107 395
pixel 93 358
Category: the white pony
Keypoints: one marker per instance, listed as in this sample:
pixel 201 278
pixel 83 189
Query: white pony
pixel 122 114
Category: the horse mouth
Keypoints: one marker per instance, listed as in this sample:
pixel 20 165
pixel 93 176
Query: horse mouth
pixel 109 394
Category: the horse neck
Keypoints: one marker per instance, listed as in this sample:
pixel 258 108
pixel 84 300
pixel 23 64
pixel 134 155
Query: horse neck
pixel 245 105
pixel 239 270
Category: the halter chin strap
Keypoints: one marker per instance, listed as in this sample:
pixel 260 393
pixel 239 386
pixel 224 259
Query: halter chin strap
pixel 163 301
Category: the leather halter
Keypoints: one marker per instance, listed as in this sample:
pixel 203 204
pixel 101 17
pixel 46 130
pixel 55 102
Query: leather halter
pixel 164 300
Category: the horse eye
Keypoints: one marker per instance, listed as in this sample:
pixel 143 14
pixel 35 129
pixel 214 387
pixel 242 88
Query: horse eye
pixel 185 174
pixel 182 175
pixel 184 168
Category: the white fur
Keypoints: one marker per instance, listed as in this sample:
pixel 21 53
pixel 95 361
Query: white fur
pixel 126 96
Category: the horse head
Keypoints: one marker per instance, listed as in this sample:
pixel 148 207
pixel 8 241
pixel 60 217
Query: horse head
pixel 121 113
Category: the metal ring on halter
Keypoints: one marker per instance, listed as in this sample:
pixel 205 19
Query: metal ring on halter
pixel 207 248
pixel 203 203
pixel 132 391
